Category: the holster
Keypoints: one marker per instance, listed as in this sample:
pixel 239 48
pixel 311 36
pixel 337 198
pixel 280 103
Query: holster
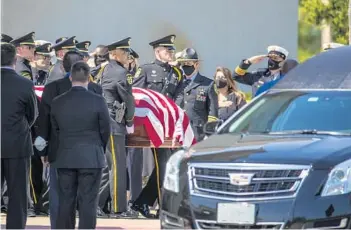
pixel 120 109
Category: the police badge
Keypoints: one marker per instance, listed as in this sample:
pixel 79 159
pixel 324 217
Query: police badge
pixel 87 45
pixel 49 48
pixel 172 39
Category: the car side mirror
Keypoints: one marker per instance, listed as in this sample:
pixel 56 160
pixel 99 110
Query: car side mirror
pixel 211 127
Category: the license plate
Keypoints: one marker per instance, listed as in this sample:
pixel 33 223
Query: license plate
pixel 236 213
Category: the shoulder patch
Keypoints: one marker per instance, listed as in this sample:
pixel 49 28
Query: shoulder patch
pixel 130 79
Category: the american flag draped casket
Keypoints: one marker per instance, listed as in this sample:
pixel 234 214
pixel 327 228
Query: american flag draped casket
pixel 158 121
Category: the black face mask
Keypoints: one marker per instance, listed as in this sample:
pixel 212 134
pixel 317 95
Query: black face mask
pixel 273 65
pixel 188 70
pixel 221 83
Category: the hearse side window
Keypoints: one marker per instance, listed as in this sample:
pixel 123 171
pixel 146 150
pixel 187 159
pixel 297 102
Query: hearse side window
pixel 295 110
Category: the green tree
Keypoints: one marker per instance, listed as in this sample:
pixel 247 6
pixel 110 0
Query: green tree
pixel 334 12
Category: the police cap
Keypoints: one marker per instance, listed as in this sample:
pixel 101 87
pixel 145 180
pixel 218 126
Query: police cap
pixel 27 40
pixel 60 39
pixel 167 42
pixel 83 47
pixel 133 53
pixel 66 44
pixel 277 50
pixel 121 44
pixel 188 54
pixel 44 49
pixel 6 38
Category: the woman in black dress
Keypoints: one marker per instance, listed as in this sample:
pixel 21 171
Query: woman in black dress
pixel 230 99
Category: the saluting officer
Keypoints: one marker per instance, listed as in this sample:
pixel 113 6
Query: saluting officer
pixel 25 47
pixel 62 46
pixel 276 57
pixel 42 63
pixel 116 83
pixel 199 95
pixel 162 77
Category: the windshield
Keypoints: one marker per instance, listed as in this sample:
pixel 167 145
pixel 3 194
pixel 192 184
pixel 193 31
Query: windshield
pixel 295 110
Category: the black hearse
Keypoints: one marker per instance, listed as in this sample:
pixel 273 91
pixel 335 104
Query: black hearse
pixel 282 162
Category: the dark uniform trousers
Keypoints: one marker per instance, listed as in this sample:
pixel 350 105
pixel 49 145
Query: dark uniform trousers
pixel 86 182
pixel 135 171
pixel 17 180
pixel 152 190
pixel 116 158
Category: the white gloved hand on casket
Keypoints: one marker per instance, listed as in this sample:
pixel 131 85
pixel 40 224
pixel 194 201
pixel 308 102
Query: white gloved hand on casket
pixel 40 143
pixel 130 129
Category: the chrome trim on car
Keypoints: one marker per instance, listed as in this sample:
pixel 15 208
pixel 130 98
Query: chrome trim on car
pixel 258 223
pixel 243 168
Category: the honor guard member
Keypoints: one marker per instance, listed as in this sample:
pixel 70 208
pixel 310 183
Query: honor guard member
pixel 101 58
pixel 164 78
pixel 42 63
pixel 331 45
pixel 62 46
pixel 276 57
pixel 83 48
pixel 6 38
pixel 199 96
pixel 116 83
pixel 25 48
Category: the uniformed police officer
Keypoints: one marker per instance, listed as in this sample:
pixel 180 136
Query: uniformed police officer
pixel 25 47
pixel 116 83
pixel 83 48
pixel 62 46
pixel 159 76
pixel 6 38
pixel 101 58
pixel 276 57
pixel 199 96
pixel 42 63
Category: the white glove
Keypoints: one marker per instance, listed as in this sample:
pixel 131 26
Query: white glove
pixel 130 129
pixel 40 143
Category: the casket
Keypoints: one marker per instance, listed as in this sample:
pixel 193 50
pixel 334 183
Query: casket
pixel 140 139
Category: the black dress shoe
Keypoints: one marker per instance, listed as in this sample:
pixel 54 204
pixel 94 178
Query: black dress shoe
pixel 31 213
pixel 144 210
pixel 3 209
pixel 157 216
pixel 100 213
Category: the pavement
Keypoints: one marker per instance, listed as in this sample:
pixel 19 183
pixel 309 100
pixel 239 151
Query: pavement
pixel 40 222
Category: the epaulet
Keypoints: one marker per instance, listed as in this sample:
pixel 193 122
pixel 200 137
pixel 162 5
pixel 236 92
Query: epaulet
pixel 26 75
pixel 99 74
pixel 179 73
pixel 50 68
pixel 137 73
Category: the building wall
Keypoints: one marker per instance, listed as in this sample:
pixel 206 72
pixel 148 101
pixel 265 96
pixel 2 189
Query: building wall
pixel 222 31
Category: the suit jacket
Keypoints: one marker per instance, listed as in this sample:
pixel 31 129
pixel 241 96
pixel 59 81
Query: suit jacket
pixel 81 121
pixel 18 113
pixel 51 91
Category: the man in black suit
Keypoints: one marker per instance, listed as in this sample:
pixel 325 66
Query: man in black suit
pixel 45 136
pixel 18 113
pixel 81 121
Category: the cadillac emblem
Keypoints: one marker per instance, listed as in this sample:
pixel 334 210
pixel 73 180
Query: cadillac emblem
pixel 241 179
